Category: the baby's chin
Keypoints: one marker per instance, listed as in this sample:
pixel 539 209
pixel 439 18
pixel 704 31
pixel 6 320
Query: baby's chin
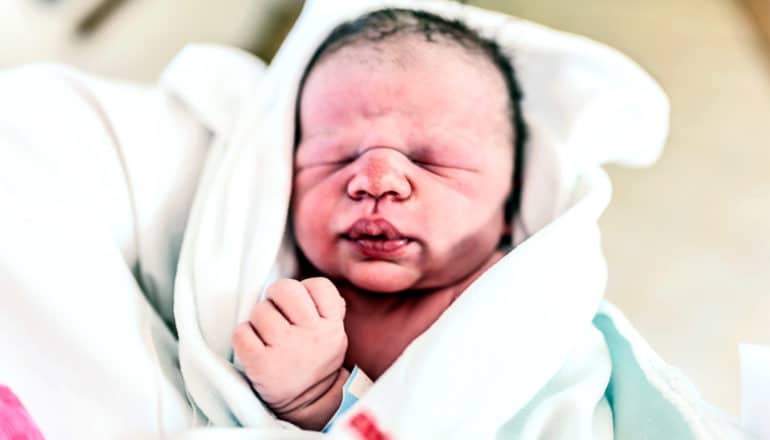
pixel 382 277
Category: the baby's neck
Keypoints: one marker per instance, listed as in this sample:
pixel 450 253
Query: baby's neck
pixel 381 325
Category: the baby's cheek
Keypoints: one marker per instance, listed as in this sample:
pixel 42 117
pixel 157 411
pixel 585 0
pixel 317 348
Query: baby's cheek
pixel 452 205
pixel 311 222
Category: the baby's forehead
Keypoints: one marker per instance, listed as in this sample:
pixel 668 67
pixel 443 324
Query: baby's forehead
pixel 403 50
pixel 431 91
pixel 383 70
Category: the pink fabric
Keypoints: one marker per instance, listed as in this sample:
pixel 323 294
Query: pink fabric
pixel 15 422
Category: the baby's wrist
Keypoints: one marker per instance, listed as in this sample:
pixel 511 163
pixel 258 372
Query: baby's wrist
pixel 315 414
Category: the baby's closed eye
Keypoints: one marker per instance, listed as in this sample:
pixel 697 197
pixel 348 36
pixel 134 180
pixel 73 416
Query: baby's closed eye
pixel 441 165
pixel 324 163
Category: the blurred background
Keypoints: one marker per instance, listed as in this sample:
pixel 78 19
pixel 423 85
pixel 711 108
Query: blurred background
pixel 688 240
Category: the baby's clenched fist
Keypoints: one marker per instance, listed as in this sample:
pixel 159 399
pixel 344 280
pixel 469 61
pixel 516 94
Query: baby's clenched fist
pixel 294 343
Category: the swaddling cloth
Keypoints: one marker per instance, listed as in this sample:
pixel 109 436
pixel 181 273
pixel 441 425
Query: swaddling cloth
pixel 755 374
pixel 609 110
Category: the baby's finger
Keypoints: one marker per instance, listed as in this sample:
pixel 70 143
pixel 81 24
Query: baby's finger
pixel 293 301
pixel 268 322
pixel 246 342
pixel 326 297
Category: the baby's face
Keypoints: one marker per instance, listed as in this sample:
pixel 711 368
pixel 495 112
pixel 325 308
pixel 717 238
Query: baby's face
pixel 403 165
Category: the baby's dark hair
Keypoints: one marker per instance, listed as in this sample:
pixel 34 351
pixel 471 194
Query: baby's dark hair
pixel 380 25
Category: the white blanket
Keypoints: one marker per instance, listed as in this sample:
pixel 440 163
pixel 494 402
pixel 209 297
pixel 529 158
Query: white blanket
pixel 97 184
pixel 585 104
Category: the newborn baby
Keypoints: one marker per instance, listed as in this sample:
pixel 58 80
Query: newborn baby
pixel 408 136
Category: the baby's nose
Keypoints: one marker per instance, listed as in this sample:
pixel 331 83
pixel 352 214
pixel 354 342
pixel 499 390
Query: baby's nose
pixel 380 172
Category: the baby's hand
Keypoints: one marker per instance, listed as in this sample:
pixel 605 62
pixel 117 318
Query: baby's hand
pixel 293 345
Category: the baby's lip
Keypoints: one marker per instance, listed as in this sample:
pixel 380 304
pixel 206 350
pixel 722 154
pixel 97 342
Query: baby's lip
pixel 367 228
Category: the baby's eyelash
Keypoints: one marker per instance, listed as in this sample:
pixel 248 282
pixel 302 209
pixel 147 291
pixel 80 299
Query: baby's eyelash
pixel 426 163
pixel 328 163
pixel 345 161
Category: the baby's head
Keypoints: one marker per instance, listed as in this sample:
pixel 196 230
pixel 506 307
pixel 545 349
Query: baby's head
pixel 408 153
